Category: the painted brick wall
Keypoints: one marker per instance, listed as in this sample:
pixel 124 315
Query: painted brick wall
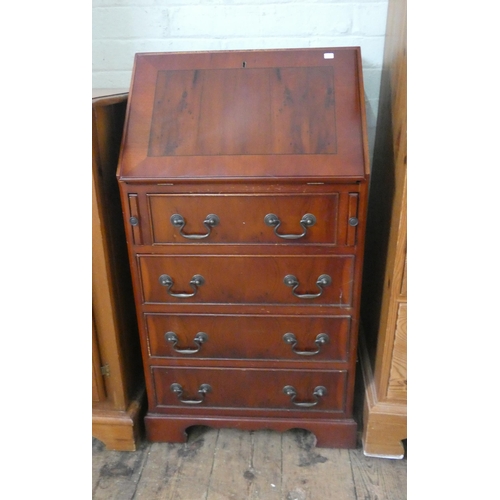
pixel 123 27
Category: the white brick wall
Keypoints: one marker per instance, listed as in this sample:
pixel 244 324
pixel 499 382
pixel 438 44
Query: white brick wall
pixel 123 27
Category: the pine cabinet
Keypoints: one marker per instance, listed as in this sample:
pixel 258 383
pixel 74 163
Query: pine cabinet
pixel 384 305
pixel 118 389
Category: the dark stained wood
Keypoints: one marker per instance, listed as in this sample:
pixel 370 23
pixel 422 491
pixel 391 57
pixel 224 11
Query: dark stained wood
pixel 285 115
pixel 282 134
pixel 328 433
pixel 134 212
pixel 257 111
pixel 249 337
pixel 158 201
pixel 353 214
pixel 247 279
pixel 244 221
pixel 230 388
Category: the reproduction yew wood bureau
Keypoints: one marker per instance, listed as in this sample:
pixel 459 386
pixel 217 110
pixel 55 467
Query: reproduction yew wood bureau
pixel 244 179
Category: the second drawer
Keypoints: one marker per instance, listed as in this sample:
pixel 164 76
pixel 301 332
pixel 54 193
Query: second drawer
pixel 257 279
pixel 306 338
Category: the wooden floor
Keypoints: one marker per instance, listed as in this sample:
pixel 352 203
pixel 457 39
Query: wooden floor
pixel 238 465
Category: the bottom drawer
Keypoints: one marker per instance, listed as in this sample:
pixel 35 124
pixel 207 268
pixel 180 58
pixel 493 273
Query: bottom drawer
pixel 250 389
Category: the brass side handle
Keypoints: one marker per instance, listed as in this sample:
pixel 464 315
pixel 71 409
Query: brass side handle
pixel 323 281
pixel 307 221
pixel 179 391
pixel 199 339
pixel 196 281
pixel 321 339
pixel 211 220
pixel 318 393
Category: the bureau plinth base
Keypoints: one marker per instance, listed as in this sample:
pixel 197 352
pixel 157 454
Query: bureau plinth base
pixel 329 433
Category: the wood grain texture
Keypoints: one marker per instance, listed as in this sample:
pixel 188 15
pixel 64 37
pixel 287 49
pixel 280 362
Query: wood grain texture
pixel 310 473
pixel 120 430
pixel 230 390
pixel 232 467
pixel 178 472
pixel 397 386
pixel 384 422
pixel 115 416
pixel 287 115
pixel 240 336
pixel 116 474
pixel 385 276
pixel 377 478
pixel 247 279
pixel 284 115
pixel 242 217
pixel 242 465
pixel 98 389
pixel 281 134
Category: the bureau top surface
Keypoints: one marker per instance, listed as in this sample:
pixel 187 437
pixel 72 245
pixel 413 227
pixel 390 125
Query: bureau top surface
pixel 241 115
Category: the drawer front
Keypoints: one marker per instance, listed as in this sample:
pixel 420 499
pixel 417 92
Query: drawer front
pixel 301 338
pixel 245 218
pixel 253 279
pixel 308 391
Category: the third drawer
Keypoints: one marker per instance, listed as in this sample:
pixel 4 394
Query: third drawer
pixel 301 338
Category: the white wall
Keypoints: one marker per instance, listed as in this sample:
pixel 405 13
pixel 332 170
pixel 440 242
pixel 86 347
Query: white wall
pixel 123 27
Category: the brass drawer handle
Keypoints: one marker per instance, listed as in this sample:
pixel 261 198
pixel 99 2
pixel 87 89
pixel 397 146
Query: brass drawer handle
pixel 306 222
pixel 199 339
pixel 319 392
pixel 202 391
pixel 323 280
pixel 321 340
pixel 211 220
pixel 196 281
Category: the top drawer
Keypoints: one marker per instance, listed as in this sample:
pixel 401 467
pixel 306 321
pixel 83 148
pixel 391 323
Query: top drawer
pixel 253 218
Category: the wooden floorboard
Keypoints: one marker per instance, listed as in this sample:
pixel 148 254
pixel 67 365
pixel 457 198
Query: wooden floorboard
pixel 230 464
pixel 310 472
pixel 116 474
pixel 378 478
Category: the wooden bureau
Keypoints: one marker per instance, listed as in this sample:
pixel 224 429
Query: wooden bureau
pixel 244 178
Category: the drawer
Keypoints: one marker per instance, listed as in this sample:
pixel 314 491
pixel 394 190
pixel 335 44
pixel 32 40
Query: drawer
pixel 256 279
pixel 301 338
pixel 255 218
pixel 307 391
